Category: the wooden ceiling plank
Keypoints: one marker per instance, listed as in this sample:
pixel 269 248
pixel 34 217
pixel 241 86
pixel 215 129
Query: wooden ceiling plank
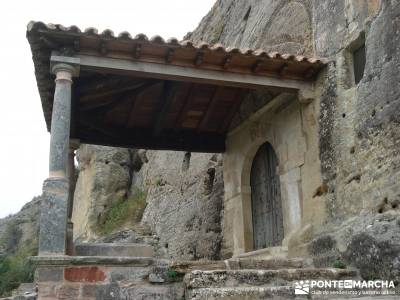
pixel 184 109
pixel 232 111
pixel 210 108
pixel 137 103
pixel 111 92
pixel 113 103
pixel 167 97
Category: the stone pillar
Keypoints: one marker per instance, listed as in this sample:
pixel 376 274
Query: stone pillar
pixel 54 210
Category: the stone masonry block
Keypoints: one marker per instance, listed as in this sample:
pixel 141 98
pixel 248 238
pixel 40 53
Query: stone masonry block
pixel 84 274
pixel 51 274
pixel 53 219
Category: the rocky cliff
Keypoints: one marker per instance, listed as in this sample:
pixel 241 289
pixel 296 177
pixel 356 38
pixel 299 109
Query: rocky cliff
pixel 184 194
pixel 21 228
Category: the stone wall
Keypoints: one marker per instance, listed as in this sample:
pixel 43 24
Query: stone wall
pixel 360 137
pixel 291 128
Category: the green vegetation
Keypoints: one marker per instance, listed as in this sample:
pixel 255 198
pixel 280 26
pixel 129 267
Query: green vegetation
pixel 126 212
pixel 339 264
pixel 10 240
pixel 171 273
pixel 15 267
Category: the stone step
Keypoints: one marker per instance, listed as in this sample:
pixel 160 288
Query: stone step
pixel 266 253
pixel 266 264
pixel 258 293
pixel 110 249
pixel 244 293
pixel 243 278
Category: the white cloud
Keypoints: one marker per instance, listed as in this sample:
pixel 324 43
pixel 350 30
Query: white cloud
pixel 24 139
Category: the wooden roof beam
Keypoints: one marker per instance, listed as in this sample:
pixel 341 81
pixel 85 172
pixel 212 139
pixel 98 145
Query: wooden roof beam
pixel 181 73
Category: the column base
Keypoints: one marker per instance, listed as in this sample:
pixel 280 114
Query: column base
pixel 53 218
pixel 70 238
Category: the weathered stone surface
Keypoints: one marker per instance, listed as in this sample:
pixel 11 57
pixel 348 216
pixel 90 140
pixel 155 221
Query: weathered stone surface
pixel 104 179
pixel 184 206
pixel 53 219
pixel 244 293
pixel 232 278
pixel 369 242
pixel 44 274
pixel 359 135
pixel 156 292
pixel 182 210
pixel 84 274
pixel 27 224
pixel 103 249
pixel 265 264
pixel 272 25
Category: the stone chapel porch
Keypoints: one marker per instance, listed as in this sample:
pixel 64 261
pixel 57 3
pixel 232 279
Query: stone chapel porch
pixel 151 94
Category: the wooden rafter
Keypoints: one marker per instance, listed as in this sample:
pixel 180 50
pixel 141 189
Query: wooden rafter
pixel 101 106
pixel 226 122
pixel 210 108
pixel 167 97
pixel 184 108
pixel 112 92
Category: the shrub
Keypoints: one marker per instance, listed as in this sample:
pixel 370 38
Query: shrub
pixel 126 212
pixel 11 237
pixel 171 273
pixel 339 264
pixel 16 268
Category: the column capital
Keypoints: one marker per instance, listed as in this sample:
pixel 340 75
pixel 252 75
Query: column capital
pixel 65 64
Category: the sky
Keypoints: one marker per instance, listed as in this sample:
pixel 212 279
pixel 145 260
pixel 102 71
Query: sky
pixel 24 143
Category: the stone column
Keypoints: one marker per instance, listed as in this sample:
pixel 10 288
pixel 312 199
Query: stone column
pixel 54 210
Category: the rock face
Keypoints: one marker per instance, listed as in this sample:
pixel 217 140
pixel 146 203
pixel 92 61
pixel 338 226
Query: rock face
pixel 24 227
pixel 184 196
pixel 185 203
pixel 283 26
pixel 359 133
pixel 105 177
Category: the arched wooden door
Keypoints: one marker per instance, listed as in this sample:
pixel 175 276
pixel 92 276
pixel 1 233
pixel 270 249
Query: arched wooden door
pixel 266 202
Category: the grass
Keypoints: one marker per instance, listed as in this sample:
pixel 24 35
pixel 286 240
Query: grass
pixel 339 264
pixel 126 212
